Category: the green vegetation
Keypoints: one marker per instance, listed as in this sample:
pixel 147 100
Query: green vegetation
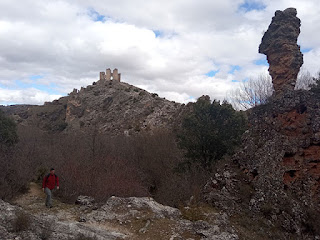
pixel 8 130
pixel 210 131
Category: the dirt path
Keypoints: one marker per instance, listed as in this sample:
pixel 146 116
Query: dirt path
pixel 34 202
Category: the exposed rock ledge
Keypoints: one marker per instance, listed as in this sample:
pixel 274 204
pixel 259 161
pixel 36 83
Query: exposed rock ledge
pixel 118 218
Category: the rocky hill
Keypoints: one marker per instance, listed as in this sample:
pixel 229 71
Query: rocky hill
pixel 108 106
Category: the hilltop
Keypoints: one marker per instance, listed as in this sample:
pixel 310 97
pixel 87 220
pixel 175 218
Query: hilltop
pixel 109 106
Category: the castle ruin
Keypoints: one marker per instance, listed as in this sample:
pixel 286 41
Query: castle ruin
pixel 107 76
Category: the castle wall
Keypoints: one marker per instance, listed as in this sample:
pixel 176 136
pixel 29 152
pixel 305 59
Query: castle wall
pixel 115 75
pixel 108 74
pixel 102 75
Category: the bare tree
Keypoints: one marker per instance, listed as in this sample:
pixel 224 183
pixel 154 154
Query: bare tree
pixel 305 80
pixel 251 93
pixel 256 91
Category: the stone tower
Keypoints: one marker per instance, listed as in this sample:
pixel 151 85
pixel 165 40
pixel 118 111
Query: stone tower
pixel 107 76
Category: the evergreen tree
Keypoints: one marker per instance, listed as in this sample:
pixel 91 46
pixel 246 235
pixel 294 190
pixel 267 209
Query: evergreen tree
pixel 210 131
pixel 8 131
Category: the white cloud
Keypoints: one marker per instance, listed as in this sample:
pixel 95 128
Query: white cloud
pixel 61 41
pixel 25 96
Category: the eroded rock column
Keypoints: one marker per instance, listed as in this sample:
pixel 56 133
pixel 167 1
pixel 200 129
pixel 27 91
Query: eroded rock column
pixel 279 43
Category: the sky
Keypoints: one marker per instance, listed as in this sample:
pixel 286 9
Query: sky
pixel 180 49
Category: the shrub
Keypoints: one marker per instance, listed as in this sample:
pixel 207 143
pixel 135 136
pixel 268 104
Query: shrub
pixel 210 131
pixel 46 232
pixel 83 237
pixel 22 222
pixel 8 130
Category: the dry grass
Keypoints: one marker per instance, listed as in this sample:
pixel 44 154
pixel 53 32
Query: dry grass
pixel 197 212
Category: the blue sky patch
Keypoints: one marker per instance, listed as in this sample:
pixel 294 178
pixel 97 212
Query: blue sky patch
pixel 50 89
pixel 212 73
pixel 95 16
pixel 36 77
pixel 305 50
pixel 234 68
pixel 158 33
pixel 250 5
pixel 261 62
pixel 235 81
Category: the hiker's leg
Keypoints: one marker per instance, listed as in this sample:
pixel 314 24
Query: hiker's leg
pixel 49 197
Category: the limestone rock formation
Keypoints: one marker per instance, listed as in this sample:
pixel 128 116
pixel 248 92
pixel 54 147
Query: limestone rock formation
pixel 279 43
pixel 276 173
pixel 119 218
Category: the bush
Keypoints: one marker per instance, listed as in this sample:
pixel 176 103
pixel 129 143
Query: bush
pixel 22 222
pixel 98 165
pixel 210 131
pixel 315 87
pixel 46 231
pixel 8 130
pixel 83 237
pixel 100 178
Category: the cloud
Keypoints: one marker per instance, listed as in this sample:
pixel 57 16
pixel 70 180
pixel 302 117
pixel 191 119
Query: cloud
pixel 25 96
pixel 168 47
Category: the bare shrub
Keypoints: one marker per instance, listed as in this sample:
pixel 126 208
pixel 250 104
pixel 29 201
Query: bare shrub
pixel 46 231
pixel 158 157
pixel 15 173
pixel 305 80
pixel 100 179
pixel 100 165
pixel 83 237
pixel 252 93
pixel 257 90
pixel 22 222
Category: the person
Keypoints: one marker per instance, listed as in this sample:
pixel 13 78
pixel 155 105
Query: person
pixel 50 181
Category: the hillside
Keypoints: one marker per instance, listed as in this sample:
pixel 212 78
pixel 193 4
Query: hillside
pixel 108 106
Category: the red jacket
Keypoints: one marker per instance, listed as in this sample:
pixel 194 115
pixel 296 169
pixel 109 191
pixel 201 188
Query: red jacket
pixel 50 181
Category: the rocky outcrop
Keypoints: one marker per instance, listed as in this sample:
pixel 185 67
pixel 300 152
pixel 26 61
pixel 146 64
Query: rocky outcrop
pixel 279 43
pixel 276 174
pixel 119 108
pixel 16 223
pixel 283 146
pixel 119 218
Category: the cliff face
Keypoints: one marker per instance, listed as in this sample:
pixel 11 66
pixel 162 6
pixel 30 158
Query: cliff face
pixel 279 43
pixel 282 147
pixel 108 106
pixel 275 177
